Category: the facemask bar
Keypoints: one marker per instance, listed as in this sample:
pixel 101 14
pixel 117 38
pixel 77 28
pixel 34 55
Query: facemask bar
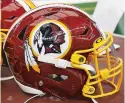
pixel 2 38
pixel 102 75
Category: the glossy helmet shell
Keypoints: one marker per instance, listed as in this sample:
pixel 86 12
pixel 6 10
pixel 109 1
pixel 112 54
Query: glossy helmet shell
pixel 11 10
pixel 83 32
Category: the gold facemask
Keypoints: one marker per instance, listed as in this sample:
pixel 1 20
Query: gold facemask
pixel 108 68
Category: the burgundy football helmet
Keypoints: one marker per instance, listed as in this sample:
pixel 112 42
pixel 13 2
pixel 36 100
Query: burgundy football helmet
pixel 58 49
pixel 11 10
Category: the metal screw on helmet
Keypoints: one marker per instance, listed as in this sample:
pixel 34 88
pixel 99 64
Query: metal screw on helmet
pixel 91 89
pixel 40 83
pixel 81 59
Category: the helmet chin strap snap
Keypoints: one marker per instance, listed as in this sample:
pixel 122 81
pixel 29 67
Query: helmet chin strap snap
pixel 61 63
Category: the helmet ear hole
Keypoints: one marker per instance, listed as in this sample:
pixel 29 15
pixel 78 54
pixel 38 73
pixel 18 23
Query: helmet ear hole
pixel 11 17
pixel 78 59
pixel 58 78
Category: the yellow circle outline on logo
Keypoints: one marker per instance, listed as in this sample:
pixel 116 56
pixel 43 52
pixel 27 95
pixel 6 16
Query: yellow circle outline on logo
pixel 51 21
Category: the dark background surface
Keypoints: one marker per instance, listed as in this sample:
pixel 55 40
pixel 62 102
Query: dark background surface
pixel 11 93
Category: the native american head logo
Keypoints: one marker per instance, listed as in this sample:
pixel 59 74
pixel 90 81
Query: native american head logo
pixel 49 37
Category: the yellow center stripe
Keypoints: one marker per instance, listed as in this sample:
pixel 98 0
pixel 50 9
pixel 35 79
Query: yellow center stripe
pixel 30 4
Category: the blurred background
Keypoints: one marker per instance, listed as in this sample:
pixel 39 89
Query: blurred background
pixel 109 14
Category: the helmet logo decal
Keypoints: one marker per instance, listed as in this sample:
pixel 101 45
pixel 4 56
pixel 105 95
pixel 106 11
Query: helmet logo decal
pixel 51 38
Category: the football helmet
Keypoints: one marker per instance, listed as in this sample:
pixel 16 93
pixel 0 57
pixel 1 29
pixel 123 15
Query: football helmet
pixel 58 49
pixel 11 10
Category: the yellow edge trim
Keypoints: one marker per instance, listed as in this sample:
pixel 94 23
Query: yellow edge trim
pixel 30 4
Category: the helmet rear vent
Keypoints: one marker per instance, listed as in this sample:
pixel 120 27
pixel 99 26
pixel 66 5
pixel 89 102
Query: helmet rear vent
pixel 21 35
pixel 58 78
pixel 12 17
pixel 49 14
pixel 85 32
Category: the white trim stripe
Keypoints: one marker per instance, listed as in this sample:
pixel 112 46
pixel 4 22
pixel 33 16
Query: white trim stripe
pixel 22 3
